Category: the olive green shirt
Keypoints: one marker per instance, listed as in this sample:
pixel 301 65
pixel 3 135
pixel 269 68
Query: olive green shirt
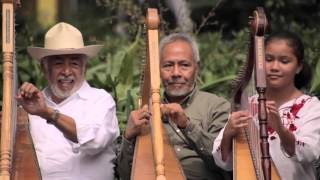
pixel 207 115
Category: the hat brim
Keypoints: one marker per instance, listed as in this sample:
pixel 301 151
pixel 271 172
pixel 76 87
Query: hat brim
pixel 39 53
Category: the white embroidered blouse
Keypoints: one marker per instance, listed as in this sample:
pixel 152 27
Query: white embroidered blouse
pixel 302 117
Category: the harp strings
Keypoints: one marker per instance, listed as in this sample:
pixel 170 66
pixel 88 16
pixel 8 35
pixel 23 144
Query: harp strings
pixel 14 84
pixel 252 131
pixel 143 67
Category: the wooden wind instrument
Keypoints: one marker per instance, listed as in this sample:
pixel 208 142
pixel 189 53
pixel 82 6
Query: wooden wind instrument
pixel 251 159
pixel 154 157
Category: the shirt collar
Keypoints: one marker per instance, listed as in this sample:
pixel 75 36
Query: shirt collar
pixel 187 100
pixel 82 93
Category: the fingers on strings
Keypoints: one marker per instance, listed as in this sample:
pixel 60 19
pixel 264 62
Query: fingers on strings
pixel 144 115
pixel 240 119
pixel 28 90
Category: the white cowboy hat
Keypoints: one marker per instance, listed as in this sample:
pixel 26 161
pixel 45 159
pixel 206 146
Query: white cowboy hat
pixel 61 39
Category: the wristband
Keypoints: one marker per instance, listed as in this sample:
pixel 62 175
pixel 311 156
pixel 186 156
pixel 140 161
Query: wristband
pixel 54 117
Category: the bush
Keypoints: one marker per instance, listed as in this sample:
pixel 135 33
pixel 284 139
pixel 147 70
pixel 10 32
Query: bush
pixel 118 66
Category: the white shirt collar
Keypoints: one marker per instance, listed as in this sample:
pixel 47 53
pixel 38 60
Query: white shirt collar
pixel 83 92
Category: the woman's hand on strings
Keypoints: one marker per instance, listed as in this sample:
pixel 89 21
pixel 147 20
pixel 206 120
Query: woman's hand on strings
pixel 274 119
pixel 31 99
pixel 136 121
pixel 287 138
pixel 236 122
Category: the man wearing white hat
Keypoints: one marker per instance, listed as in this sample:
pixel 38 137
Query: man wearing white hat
pixel 73 125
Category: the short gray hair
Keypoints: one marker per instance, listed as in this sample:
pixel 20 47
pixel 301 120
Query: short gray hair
pixel 184 37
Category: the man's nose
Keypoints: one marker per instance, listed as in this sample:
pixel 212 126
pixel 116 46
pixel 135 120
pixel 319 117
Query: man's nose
pixel 66 69
pixel 176 71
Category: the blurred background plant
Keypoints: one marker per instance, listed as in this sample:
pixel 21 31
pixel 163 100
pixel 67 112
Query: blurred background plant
pixel 219 25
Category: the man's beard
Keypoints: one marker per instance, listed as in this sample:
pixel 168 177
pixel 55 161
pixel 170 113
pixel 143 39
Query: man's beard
pixel 178 92
pixel 66 93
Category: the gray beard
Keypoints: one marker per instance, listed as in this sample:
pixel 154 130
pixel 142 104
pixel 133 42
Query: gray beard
pixel 58 93
pixel 63 94
pixel 180 92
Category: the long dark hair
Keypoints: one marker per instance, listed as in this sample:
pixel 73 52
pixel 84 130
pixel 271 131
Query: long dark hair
pixel 303 78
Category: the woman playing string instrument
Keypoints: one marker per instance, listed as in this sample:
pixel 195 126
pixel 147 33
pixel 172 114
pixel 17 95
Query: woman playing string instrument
pixel 293 116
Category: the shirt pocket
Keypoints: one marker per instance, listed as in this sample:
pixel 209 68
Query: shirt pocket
pixel 58 163
pixel 198 120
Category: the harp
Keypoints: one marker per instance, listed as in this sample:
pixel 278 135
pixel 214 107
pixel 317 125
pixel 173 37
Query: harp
pixel 251 159
pixel 18 159
pixel 154 158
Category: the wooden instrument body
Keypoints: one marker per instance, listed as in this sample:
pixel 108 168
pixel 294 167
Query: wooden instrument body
pixel 243 167
pixel 251 159
pixel 18 159
pixel 143 164
pixel 25 165
pixel 154 157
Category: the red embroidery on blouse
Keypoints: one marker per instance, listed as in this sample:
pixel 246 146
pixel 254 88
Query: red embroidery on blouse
pixel 288 115
pixel 291 116
pixel 292 127
pixel 296 108
pixel 270 130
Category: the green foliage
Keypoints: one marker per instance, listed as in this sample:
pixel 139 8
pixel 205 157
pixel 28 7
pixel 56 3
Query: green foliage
pixel 117 68
pixel 315 86
pixel 118 73
pixel 220 60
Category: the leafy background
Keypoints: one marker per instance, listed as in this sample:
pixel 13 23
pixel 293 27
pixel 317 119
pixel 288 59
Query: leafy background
pixel 221 28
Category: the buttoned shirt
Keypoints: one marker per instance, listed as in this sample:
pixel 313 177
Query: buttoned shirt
pixel 92 158
pixel 207 115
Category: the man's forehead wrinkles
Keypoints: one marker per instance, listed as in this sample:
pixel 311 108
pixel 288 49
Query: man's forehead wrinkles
pixel 176 60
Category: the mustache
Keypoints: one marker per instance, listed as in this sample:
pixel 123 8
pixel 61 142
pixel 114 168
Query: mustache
pixel 176 81
pixel 65 78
